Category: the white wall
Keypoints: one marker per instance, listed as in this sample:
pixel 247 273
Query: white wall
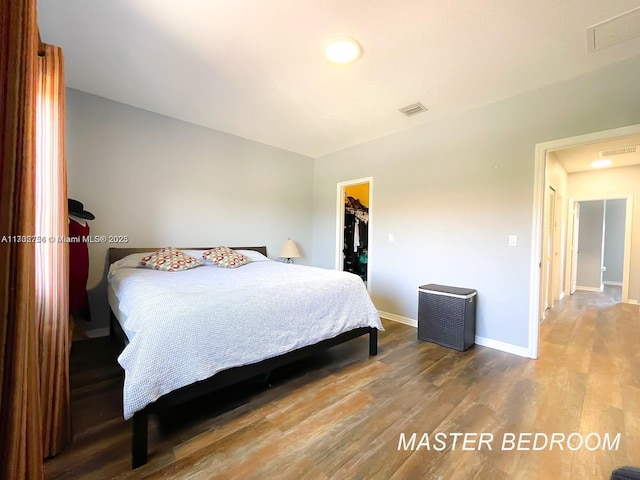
pixel 451 191
pixel 608 183
pixel 615 215
pixel 590 245
pixel 164 182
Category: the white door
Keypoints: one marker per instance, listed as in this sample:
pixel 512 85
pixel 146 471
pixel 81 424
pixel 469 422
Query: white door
pixel 548 247
pixel 575 247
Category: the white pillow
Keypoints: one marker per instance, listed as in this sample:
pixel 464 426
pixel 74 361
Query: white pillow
pixel 254 256
pixel 130 260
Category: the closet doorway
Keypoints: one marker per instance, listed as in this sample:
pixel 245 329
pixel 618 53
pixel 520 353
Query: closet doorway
pixel 602 244
pixel 353 227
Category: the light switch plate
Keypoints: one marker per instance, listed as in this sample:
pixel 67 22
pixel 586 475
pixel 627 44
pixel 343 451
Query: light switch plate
pixel 513 240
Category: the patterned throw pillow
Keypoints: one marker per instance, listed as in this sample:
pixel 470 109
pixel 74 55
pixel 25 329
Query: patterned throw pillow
pixel 225 257
pixel 170 259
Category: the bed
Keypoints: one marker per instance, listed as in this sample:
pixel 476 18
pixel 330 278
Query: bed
pixel 211 327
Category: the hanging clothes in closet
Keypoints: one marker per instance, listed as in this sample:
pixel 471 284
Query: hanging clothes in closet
pixel 356 237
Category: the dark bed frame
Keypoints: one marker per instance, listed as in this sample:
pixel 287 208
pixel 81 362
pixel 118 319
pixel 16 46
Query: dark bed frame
pixel 222 379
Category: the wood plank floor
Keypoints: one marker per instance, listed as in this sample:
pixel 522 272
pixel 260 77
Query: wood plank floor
pixel 339 415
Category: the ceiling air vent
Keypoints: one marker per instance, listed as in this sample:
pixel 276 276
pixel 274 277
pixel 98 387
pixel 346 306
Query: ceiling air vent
pixel 613 31
pixel 618 151
pixel 414 109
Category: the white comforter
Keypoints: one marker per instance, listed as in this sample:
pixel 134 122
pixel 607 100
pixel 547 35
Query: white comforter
pixel 190 325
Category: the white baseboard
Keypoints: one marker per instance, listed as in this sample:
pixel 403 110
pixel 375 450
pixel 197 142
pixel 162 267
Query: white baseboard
pixel 590 289
pixel 633 302
pixel 399 319
pixel 485 342
pixel 615 284
pixel 97 332
pixel 502 346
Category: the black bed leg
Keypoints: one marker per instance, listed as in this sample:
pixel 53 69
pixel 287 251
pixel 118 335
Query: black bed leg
pixel 373 341
pixel 139 439
pixel 112 328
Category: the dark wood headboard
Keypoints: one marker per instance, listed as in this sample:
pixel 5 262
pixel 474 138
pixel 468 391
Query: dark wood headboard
pixel 116 254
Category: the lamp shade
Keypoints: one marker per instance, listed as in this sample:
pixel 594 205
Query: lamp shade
pixel 289 250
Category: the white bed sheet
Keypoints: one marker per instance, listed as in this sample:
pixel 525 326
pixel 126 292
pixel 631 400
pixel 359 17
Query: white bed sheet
pixel 187 326
pixel 114 303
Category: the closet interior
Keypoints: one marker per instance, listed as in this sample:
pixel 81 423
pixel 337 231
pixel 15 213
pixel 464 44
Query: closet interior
pixel 356 230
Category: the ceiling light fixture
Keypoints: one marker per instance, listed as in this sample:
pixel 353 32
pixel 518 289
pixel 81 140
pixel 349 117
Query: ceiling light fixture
pixel 605 162
pixel 343 50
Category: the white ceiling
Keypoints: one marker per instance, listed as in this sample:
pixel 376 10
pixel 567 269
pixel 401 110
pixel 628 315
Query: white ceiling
pixel 578 159
pixel 255 68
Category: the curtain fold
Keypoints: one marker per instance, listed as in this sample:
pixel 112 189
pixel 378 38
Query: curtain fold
pixel 52 257
pixel 34 341
pixel 20 414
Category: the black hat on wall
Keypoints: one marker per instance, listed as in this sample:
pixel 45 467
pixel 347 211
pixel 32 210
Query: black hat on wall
pixel 76 208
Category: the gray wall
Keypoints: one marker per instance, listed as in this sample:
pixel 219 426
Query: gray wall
pixel 452 190
pixel 615 215
pixel 164 182
pixel 590 244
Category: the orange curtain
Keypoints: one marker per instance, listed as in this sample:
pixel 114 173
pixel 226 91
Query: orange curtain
pixel 34 342
pixel 20 417
pixel 52 257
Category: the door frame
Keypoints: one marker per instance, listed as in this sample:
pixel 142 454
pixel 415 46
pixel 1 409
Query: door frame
pixel 541 150
pixel 339 265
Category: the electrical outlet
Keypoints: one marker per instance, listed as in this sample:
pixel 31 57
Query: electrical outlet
pixel 513 240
